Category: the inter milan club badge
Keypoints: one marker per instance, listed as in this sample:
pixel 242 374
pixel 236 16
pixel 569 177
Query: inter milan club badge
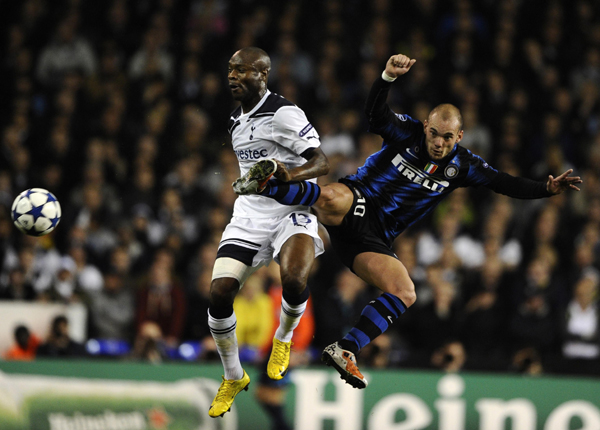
pixel 450 171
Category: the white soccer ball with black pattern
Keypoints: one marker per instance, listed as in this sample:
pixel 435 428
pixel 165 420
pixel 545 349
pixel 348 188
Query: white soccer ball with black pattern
pixel 36 212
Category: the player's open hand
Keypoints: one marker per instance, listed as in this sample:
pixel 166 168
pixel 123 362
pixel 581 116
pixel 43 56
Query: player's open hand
pixel 282 173
pixel 398 65
pixel 563 182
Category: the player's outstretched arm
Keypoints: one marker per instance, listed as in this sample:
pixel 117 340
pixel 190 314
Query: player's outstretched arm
pixel 316 165
pixel 382 120
pixel 563 182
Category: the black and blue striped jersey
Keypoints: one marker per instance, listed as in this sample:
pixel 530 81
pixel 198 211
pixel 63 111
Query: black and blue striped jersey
pixel 402 184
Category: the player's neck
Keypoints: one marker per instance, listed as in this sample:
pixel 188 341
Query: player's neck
pixel 248 105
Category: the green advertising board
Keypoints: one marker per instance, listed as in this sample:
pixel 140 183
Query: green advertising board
pixel 90 395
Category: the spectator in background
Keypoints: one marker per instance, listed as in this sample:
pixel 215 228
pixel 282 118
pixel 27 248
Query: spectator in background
pixel 25 347
pixel 67 52
pixel 252 306
pixel 152 59
pixel 534 324
pixel 435 324
pixel 149 344
pixel 89 277
pixel 337 309
pixel 161 300
pixel 450 357
pixel 18 287
pixel 478 137
pixel 498 239
pixel 581 329
pixel 59 344
pixel 63 287
pixel 290 62
pixel 450 234
pixel 484 333
pixel 196 325
pixel 112 309
pixel 270 393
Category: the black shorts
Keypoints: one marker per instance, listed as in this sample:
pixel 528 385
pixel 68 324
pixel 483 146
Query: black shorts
pixel 359 231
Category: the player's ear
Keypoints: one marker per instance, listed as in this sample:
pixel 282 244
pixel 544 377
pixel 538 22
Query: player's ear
pixel 425 123
pixel 459 136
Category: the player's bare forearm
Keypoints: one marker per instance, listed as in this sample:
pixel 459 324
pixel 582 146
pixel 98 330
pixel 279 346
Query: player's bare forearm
pixel 316 165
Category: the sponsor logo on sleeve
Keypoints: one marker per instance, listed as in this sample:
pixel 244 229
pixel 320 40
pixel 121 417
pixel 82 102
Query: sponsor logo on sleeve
pixel 401 117
pixel 305 130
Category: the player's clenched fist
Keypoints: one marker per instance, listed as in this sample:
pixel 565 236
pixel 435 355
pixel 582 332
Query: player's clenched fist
pixel 398 65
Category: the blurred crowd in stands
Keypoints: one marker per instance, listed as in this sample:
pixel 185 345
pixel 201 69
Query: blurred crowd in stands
pixel 120 107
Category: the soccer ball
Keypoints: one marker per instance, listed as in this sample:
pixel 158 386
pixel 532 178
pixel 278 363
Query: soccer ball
pixel 36 212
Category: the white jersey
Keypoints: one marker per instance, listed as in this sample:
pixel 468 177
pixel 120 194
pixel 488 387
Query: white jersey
pixel 275 128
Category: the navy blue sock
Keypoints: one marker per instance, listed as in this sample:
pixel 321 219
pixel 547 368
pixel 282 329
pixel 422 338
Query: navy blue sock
pixel 292 193
pixel 375 319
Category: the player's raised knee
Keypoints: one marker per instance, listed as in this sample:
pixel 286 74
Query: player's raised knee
pixel 408 296
pixel 333 198
pixel 223 291
pixel 293 283
pixel 327 197
pixel 406 293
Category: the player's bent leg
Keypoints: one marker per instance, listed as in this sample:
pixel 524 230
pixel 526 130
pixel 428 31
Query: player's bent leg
pixel 222 322
pixel 228 275
pixel 333 204
pixel 390 276
pixel 223 292
pixel 292 193
pixel 386 273
pixel 296 257
pixel 228 389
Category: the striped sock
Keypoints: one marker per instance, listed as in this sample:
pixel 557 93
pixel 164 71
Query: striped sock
pixel 223 331
pixel 292 309
pixel 292 193
pixel 375 319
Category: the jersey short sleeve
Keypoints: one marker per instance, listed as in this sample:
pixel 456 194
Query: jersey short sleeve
pixel 292 130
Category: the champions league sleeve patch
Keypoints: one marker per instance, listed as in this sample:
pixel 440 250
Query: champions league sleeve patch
pixel 305 130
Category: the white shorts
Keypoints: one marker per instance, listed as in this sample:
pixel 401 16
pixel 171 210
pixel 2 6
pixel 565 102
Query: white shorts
pixel 256 241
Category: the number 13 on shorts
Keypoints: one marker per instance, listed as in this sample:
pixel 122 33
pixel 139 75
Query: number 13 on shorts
pixel 300 219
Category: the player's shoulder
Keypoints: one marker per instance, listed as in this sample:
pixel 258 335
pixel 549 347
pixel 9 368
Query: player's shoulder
pixel 234 119
pixel 407 118
pixel 465 152
pixel 467 157
pixel 272 105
